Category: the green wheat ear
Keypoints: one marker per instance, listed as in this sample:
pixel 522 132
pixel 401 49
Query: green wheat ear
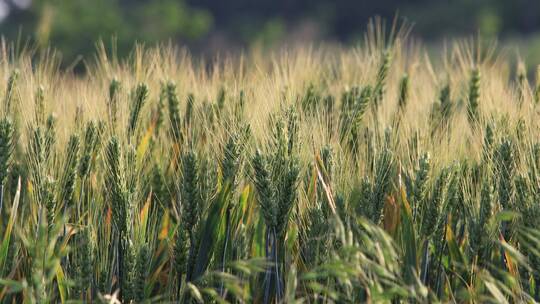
pixel 48 199
pixel 327 156
pixel 292 131
pixel 174 111
pixel 420 183
pixel 403 92
pixel 506 166
pixel 67 180
pixel 384 171
pixel 112 103
pixel 382 75
pixel 89 147
pixel 191 197
pixel 158 111
pixel 445 102
pixel 140 273
pixel 6 148
pixel 11 91
pixel 139 99
pixel 287 200
pixel 521 80
pixel 263 184
pixel 441 110
pixel 354 103
pixel 474 97
pixel 311 99
pixel 116 181
pixel 221 99
pixel 84 263
pixel 329 104
pixel 188 117
pixel 232 158
pixel 128 285
pixel 240 106
pixel 432 208
pixel 181 247
pixel 481 235
pixel 39 101
pixel 50 135
pixel 489 140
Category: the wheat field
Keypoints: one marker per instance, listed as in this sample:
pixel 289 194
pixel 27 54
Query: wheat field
pixel 326 174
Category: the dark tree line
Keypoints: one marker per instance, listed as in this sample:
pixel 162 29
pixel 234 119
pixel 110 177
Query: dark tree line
pixel 73 26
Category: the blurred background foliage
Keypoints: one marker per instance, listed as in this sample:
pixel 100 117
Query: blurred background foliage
pixel 208 26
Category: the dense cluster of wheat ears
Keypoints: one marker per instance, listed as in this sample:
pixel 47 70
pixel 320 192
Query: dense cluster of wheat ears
pixel 319 174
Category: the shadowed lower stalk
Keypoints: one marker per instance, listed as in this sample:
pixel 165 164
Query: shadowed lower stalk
pixel 225 246
pixel 180 256
pixel 272 253
pixel 439 260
